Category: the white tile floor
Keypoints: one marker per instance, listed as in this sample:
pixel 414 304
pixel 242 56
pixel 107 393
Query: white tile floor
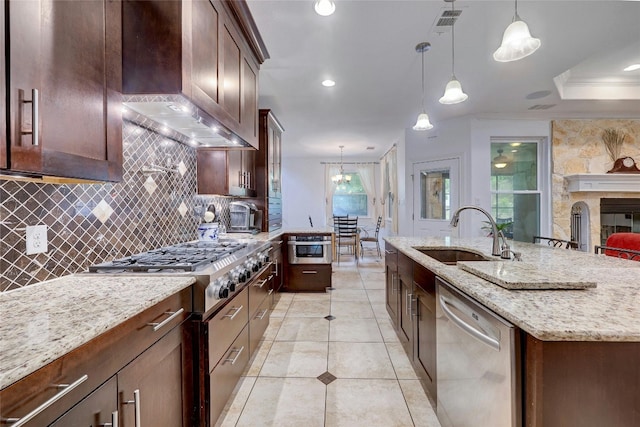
pixel 375 384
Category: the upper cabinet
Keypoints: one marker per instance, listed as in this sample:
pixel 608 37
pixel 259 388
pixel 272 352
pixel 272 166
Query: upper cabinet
pixel 268 170
pixel 226 172
pixel 63 102
pixel 207 51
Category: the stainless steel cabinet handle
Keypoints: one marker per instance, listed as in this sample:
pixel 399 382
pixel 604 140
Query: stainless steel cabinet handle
pixel 393 282
pixel 491 342
pixel 238 353
pixel 67 388
pixel 409 296
pixel 236 311
pixel 172 315
pixel 136 407
pixel 114 421
pixel 309 272
pixel 275 270
pixel 389 252
pixel 261 283
pixel 35 119
pixel 264 313
pixel 270 292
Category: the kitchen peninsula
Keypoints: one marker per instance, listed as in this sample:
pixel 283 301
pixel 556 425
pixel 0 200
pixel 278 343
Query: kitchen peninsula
pixel 576 356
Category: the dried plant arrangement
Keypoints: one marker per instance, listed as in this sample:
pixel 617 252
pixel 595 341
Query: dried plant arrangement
pixel 613 140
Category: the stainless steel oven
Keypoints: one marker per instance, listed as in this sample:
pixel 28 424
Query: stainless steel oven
pixel 309 249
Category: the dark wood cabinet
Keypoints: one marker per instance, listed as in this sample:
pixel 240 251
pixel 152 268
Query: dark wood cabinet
pixel 405 312
pixel 63 95
pixel 392 289
pixel 268 171
pixel 154 384
pixel 226 172
pixel 206 50
pixel 278 271
pixel 135 354
pixel 308 278
pixel 100 408
pixel 3 91
pixel 424 327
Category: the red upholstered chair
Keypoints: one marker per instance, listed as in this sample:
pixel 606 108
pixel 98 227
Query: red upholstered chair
pixel 629 243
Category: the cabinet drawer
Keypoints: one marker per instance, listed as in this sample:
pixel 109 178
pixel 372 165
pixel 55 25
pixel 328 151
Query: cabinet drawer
pixel 225 326
pixel 310 277
pixel 390 256
pixel 98 359
pixel 258 324
pixel 259 288
pixel 225 376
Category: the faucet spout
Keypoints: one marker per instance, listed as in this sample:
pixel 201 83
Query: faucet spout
pixel 496 250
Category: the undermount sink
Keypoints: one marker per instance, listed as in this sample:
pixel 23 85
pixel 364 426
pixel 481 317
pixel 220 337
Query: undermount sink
pixel 452 256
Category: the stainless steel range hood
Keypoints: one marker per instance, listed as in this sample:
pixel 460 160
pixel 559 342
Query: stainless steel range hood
pixel 178 118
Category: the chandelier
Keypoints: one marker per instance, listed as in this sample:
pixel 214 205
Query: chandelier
pixel 341 178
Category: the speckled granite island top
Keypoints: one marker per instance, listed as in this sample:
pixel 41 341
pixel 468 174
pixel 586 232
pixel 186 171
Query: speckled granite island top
pixel 608 312
pixel 42 322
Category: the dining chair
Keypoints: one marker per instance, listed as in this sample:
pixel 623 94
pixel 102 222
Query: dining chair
pixel 347 235
pixel 368 238
pixel 556 243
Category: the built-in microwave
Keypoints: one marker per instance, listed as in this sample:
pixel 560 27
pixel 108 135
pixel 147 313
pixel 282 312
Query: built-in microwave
pixel 309 249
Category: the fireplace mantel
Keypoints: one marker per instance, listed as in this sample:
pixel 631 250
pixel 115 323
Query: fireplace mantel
pixel 604 182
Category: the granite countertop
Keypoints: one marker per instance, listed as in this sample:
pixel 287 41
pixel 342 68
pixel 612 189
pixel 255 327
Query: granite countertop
pixel 608 312
pixel 45 321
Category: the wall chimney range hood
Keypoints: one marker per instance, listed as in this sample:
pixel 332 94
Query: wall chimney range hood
pixel 178 118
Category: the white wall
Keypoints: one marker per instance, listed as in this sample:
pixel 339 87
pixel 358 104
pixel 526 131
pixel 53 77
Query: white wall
pixel 470 138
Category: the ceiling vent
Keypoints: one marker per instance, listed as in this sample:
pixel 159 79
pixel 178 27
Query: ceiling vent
pixel 542 106
pixel 447 18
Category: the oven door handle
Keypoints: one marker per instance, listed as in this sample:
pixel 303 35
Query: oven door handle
pixel 298 243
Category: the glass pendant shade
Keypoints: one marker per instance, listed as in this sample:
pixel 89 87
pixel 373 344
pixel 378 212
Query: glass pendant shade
pixel 423 122
pixel 341 178
pixel 324 7
pixel 500 161
pixel 517 43
pixel 453 93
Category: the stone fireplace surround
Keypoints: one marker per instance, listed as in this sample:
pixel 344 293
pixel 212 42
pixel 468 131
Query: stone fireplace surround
pixel 578 154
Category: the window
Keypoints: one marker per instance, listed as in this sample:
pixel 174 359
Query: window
pixel 350 199
pixel 435 194
pixel 515 188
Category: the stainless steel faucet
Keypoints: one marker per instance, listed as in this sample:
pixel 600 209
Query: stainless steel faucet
pixel 503 251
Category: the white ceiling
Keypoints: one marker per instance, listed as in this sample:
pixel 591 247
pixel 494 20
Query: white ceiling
pixel 368 48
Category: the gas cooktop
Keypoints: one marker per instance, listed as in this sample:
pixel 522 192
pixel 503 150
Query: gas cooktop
pixel 181 257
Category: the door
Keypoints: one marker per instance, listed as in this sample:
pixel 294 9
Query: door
pixel 151 389
pixel 64 101
pixel 436 189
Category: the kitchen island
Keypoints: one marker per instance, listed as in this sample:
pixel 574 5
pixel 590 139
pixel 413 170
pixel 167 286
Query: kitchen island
pixel 577 352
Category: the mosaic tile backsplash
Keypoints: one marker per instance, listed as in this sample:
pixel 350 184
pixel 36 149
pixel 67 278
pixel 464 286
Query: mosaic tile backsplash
pixel 153 206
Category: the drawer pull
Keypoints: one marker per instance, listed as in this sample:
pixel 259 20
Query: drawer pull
pixel 235 359
pixel 67 388
pixel 261 283
pixel 389 252
pixel 136 407
pixel 236 311
pixel 172 315
pixel 270 292
pixel 114 421
pixel 309 272
pixel 264 313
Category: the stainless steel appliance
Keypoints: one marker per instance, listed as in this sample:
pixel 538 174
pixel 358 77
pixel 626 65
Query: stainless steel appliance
pixel 245 217
pixel 476 364
pixel 223 269
pixel 309 249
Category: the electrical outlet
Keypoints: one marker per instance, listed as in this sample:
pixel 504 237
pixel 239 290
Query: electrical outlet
pixel 37 239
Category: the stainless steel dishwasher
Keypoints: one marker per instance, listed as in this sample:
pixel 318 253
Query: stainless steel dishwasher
pixel 477 364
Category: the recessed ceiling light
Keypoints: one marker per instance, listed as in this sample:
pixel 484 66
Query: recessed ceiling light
pixel 632 67
pixel 324 7
pixel 516 144
pixel 328 83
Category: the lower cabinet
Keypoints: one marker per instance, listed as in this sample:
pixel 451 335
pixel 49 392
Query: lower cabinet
pixel 405 314
pixel 308 278
pixel 391 274
pixel 100 408
pixel 424 348
pixel 151 388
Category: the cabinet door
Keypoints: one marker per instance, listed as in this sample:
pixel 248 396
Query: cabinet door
pixel 391 269
pixel 231 69
pixel 98 409
pixel 3 92
pixel 249 168
pixel 425 339
pixel 212 172
pixel 235 169
pixel 153 384
pixel 249 98
pixel 405 312
pixel 204 34
pixel 64 99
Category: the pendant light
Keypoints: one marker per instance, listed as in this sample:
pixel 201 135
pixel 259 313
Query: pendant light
pixel 423 119
pixel 324 7
pixel 517 42
pixel 453 93
pixel 341 178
